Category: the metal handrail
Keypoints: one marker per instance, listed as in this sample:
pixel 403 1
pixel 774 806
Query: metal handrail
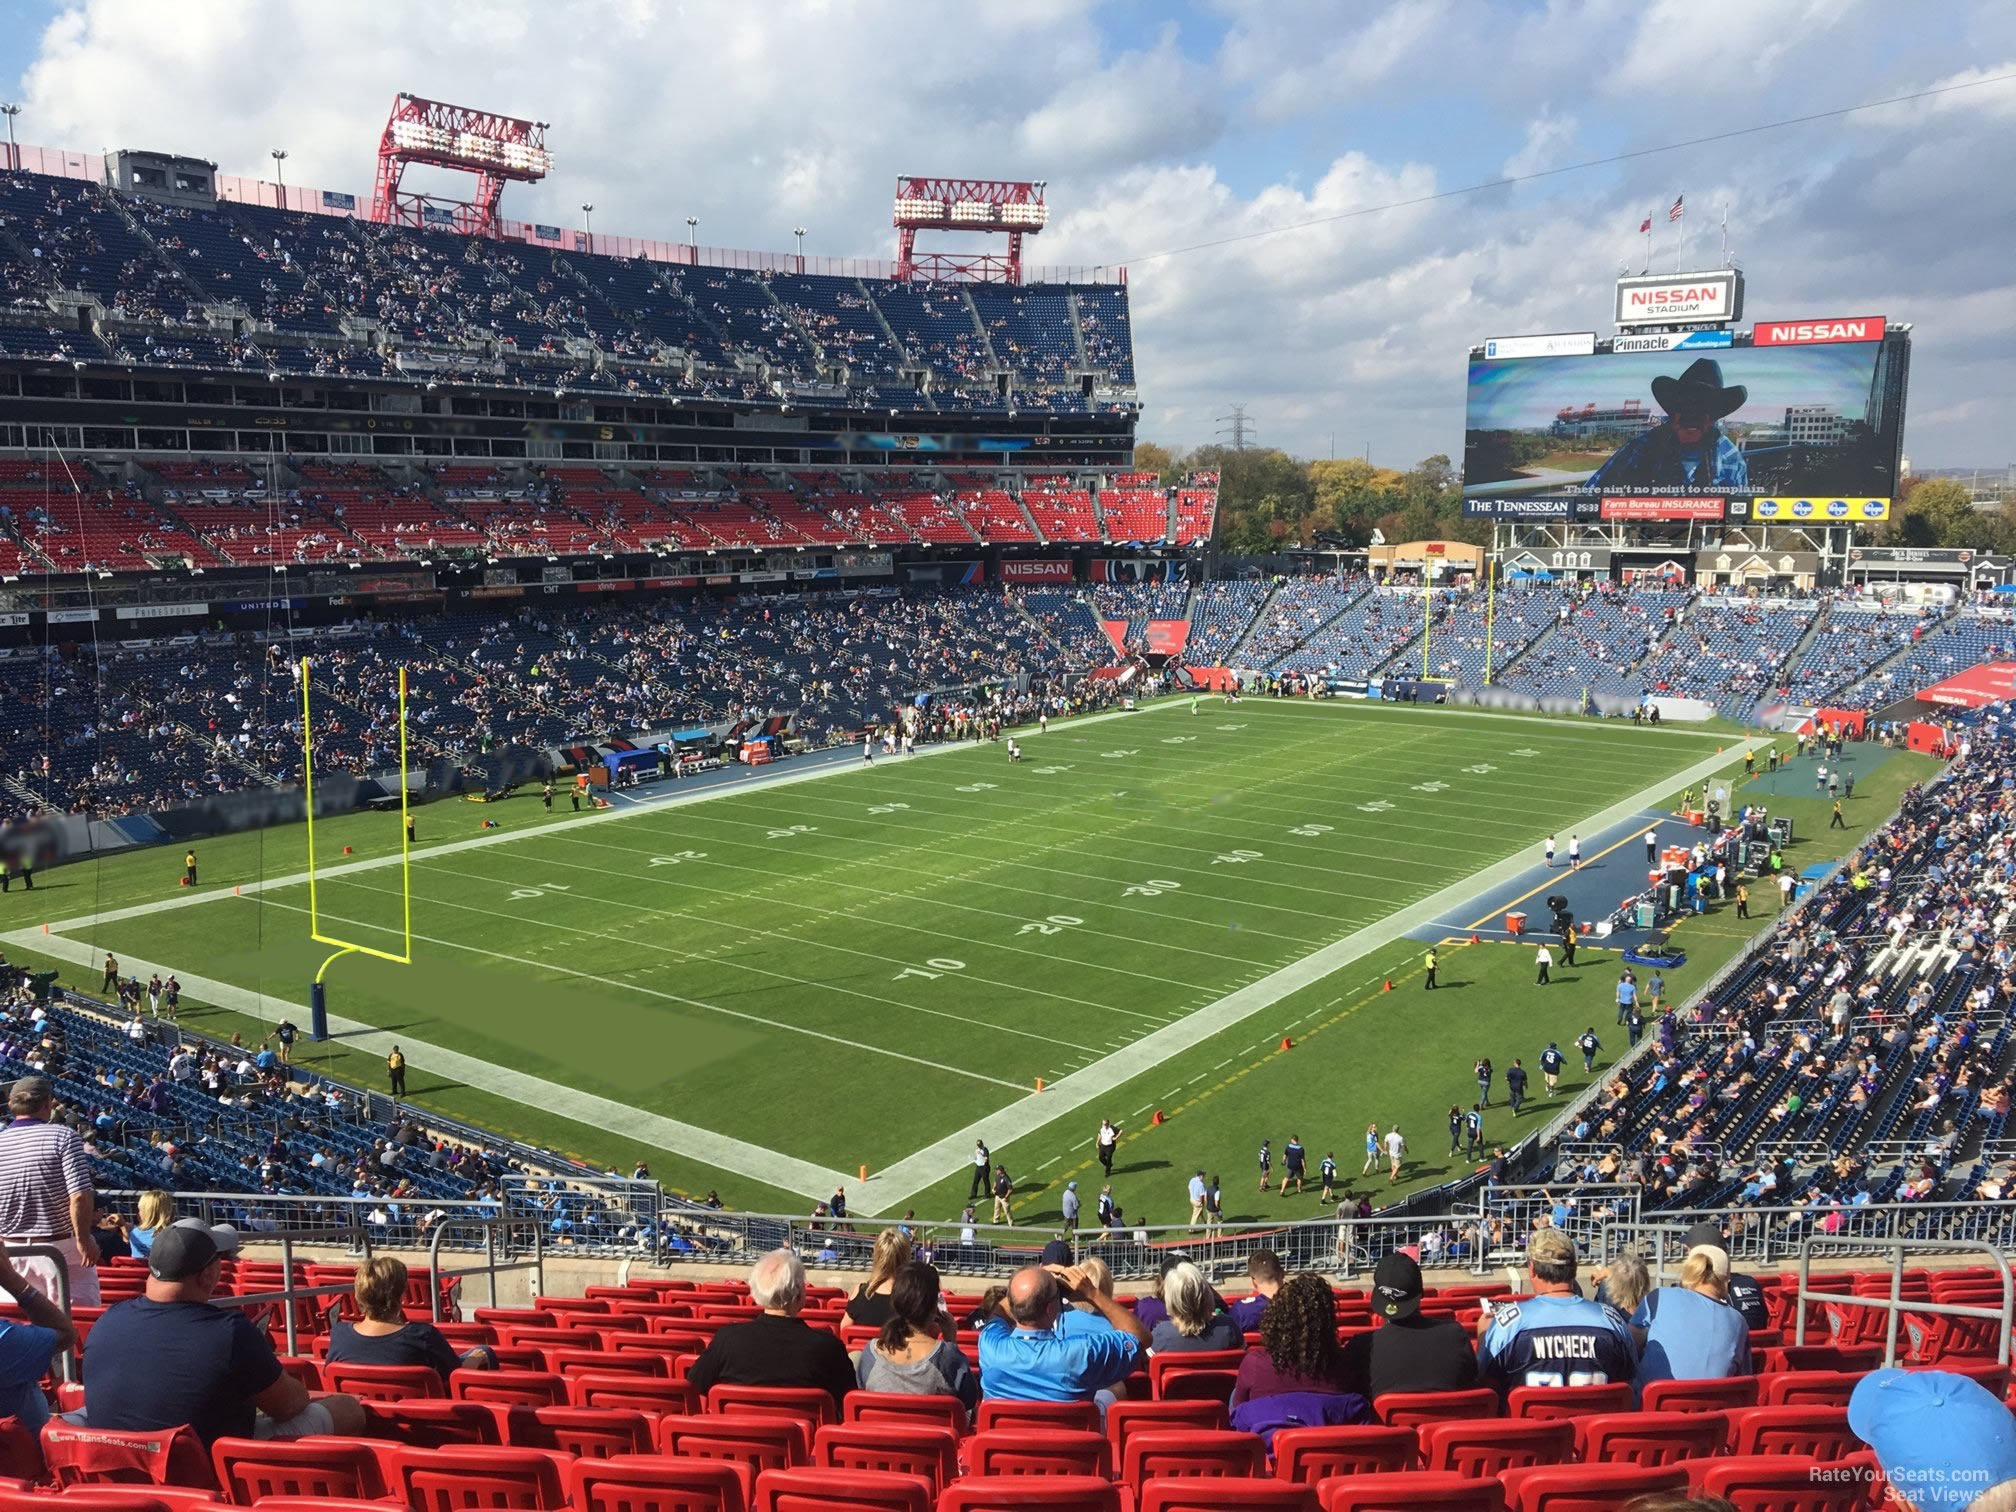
pixel 66 1362
pixel 1896 1304
pixel 491 1266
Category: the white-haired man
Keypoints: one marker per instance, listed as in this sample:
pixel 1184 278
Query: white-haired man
pixel 777 1348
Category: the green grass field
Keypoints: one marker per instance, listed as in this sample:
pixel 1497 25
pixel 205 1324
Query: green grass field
pixel 762 991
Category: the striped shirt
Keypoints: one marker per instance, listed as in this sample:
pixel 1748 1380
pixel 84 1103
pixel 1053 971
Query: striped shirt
pixel 42 1166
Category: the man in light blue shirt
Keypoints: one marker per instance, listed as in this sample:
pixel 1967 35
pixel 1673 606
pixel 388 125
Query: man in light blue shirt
pixel 1198 1192
pixel 1627 995
pixel 1032 1360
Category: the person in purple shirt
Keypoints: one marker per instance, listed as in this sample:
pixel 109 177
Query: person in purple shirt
pixel 1299 1358
pixel 1263 1269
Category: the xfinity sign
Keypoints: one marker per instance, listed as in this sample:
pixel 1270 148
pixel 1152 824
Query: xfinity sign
pixel 1680 298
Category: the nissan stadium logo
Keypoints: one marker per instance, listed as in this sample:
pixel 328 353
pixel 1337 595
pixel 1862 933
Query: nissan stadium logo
pixel 1802 508
pixel 1838 509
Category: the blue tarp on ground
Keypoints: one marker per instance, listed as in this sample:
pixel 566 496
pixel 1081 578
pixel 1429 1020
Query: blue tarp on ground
pixel 1665 959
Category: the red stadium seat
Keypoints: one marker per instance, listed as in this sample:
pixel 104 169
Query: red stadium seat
pixel 248 1469
pixel 1214 1367
pixel 931 1454
pixel 1779 1483
pixel 1807 1388
pixel 1585 1488
pixel 306 1370
pixel 584 1432
pixel 1030 1493
pixel 1699 1396
pixel 804 1404
pixel 1123 1418
pixel 481 1475
pixel 630 1393
pixel 840 1491
pixel 1540 1402
pixel 94 1499
pixel 508 1388
pixel 1222 1495
pixel 385 1383
pixel 1820 1433
pixel 1039 1451
pixel 1647 1438
pixel 1417 1491
pixel 1408 1409
pixel 1150 1452
pixel 902 1408
pixel 1484 1448
pixel 994 1414
pixel 430 1424
pixel 161 1457
pixel 566 1362
pixel 762 1443
pixel 652 1483
pixel 313 1504
pixel 1309 1455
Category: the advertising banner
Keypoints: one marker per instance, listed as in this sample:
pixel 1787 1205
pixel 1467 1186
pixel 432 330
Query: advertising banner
pixel 1680 298
pixel 1817 332
pixel 156 611
pixel 72 616
pixel 1821 511
pixel 1529 509
pixel 13 619
pixel 1911 556
pixel 1665 509
pixel 1562 344
pixel 1014 570
pixel 1672 341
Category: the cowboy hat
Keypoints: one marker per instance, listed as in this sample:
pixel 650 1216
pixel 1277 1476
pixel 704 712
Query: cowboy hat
pixel 1700 387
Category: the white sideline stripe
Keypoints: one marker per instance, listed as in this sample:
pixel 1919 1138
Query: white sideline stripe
pixel 903 1181
pixel 684 1139
pixel 611 816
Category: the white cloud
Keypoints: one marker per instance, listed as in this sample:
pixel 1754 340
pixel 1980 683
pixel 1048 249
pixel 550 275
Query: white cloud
pixel 1547 137
pixel 1675 38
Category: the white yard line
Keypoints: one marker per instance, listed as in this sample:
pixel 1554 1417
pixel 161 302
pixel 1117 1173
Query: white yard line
pixel 901 1183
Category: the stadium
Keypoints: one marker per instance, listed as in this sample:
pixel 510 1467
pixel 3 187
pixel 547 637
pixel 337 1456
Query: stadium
pixel 597 829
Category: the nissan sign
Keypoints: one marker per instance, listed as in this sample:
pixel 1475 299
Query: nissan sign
pixel 1680 298
pixel 1808 332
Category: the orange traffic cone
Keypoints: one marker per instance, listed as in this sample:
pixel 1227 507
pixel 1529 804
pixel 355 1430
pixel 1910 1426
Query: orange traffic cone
pixel 1156 1121
pixel 1039 1084
pixel 1287 1043
pixel 1474 940
pixel 346 850
pixel 1389 985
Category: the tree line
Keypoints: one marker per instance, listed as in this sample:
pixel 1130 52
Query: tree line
pixel 1271 501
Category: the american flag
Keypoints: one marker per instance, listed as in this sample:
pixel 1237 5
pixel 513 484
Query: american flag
pixel 1678 210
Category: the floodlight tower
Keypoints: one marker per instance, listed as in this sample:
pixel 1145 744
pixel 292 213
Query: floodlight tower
pixel 491 147
pixel 1012 208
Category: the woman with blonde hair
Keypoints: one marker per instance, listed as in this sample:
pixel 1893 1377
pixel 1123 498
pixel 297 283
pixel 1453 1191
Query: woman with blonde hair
pixel 870 1306
pixel 1624 1282
pixel 385 1336
pixel 1197 1319
pixel 157 1212
pixel 1690 1331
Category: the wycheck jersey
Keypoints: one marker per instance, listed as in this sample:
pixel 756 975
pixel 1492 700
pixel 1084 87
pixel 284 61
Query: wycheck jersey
pixel 1557 1341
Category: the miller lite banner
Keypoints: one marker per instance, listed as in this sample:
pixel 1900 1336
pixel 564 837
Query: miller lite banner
pixel 1014 570
pixel 1680 298
pixel 1821 511
pixel 1811 332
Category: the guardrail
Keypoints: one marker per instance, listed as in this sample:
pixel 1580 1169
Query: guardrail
pixel 59 1294
pixel 1896 1305
pixel 1773 1236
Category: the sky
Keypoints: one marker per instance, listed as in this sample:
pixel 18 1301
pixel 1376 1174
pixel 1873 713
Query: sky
pixel 1163 127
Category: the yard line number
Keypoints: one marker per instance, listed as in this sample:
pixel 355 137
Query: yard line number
pixel 938 966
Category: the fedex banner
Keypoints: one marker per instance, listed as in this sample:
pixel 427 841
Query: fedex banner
pixel 1672 508
pixel 1812 332
pixel 1014 571
pixel 1680 298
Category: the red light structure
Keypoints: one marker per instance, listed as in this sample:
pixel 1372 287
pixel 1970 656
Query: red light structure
pixel 1011 208
pixel 494 148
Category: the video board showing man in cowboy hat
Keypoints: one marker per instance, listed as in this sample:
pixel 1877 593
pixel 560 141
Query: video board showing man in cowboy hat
pixel 1687 450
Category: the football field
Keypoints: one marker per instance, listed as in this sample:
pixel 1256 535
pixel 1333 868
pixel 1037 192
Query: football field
pixel 763 987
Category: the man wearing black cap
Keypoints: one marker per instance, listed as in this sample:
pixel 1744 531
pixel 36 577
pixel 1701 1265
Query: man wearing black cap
pixel 171 1358
pixel 1688 448
pixel 1745 1294
pixel 1410 1352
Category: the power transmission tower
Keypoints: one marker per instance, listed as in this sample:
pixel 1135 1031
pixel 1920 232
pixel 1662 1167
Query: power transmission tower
pixel 1238 427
